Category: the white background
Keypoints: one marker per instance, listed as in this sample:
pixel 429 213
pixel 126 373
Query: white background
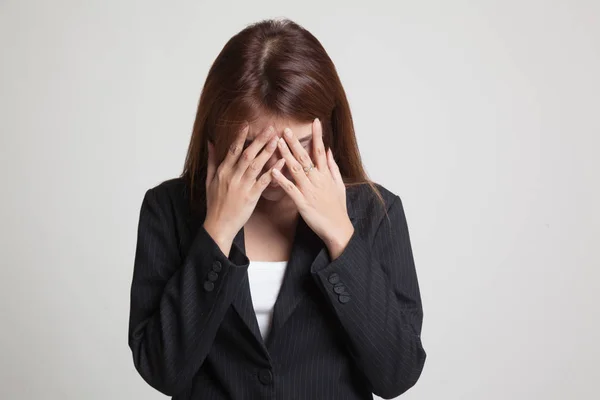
pixel 483 116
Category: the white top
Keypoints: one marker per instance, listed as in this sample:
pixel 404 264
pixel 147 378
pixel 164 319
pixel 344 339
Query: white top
pixel 265 278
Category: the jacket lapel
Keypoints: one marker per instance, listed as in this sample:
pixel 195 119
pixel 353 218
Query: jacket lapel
pixel 290 292
pixel 306 248
pixel 297 277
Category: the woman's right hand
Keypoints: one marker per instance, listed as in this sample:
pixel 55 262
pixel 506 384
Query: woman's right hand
pixel 233 188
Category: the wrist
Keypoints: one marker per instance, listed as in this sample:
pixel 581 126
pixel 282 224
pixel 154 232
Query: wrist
pixel 336 244
pixel 221 238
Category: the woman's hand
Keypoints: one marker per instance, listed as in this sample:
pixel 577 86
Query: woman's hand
pixel 319 194
pixel 232 189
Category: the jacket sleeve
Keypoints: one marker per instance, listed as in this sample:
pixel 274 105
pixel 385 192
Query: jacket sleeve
pixel 177 303
pixel 373 289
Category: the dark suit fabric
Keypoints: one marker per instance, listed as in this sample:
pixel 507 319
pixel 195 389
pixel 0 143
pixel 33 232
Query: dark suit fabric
pixel 341 329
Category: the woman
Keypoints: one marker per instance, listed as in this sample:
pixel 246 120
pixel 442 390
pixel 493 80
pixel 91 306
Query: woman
pixel 273 268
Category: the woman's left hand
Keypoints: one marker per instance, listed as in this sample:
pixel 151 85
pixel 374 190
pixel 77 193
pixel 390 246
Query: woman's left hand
pixel 319 194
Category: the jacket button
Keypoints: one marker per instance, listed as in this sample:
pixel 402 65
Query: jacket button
pixel 209 286
pixel 343 299
pixel 265 376
pixel 216 266
pixel 339 289
pixel 212 276
pixel 334 278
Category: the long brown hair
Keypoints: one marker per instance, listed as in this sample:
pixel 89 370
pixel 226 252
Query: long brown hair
pixel 273 67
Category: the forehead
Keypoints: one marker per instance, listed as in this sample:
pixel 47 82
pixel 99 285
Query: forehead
pixel 300 129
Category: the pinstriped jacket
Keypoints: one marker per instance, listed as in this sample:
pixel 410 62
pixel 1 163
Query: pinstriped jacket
pixel 341 329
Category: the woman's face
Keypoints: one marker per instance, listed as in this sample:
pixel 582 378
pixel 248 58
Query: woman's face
pixel 302 131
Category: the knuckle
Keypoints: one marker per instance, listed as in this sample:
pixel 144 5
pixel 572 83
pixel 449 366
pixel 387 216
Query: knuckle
pixel 264 180
pixel 246 156
pixel 296 168
pixel 254 166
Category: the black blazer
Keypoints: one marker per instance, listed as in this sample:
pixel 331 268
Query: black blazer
pixel 341 330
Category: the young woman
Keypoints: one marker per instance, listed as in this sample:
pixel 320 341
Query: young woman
pixel 273 268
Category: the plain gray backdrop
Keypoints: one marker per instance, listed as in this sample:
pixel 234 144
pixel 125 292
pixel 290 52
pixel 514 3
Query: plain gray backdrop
pixel 483 116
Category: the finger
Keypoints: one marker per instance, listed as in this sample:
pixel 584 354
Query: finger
pixel 292 163
pixel 210 165
pixel 320 159
pixel 257 165
pixel 333 168
pixel 289 187
pixel 236 148
pixel 266 178
pixel 296 148
pixel 248 157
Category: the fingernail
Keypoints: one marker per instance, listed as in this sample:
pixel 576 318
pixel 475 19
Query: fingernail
pixel 281 142
pixel 288 133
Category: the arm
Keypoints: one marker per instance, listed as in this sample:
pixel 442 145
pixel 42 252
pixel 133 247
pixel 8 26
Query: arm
pixel 380 309
pixel 174 317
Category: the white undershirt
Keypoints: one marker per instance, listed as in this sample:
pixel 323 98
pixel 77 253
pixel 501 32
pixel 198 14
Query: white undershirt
pixel 265 278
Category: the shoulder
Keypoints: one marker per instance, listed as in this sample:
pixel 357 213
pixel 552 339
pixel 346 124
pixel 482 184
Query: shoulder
pixel 171 194
pixel 172 186
pixel 364 203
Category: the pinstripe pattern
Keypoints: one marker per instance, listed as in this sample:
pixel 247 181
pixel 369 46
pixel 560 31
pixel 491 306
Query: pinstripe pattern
pixel 342 329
